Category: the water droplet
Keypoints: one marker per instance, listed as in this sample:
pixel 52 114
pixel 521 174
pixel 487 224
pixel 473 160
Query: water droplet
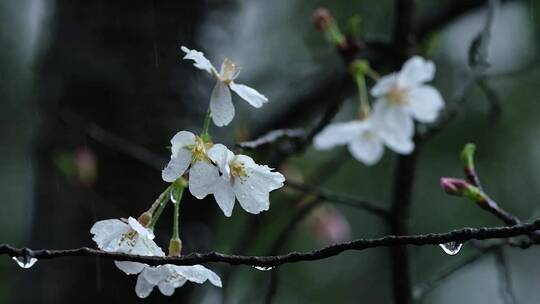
pixel 25 261
pixel 173 199
pixel 451 248
pixel 261 268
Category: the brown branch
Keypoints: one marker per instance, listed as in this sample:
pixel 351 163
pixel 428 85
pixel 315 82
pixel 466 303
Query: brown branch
pixel 460 235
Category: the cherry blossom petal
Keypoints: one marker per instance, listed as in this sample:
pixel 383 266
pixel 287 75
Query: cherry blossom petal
pixel 384 85
pixel 394 126
pixel 250 95
pixel 179 142
pixel 339 133
pixel 143 288
pixel 154 275
pixel 392 118
pixel 130 267
pixel 198 274
pixel 200 61
pixel 367 148
pixel 202 177
pixel 425 103
pixel 107 233
pixel 252 190
pixel 143 232
pixel 221 105
pixel 180 156
pixel 224 195
pixel 166 288
pixel 416 71
pixel 221 156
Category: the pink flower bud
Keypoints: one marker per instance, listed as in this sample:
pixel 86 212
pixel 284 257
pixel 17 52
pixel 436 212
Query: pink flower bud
pixel 454 186
pixel 322 19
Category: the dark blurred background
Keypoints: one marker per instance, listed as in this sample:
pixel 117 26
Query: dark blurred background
pixel 92 91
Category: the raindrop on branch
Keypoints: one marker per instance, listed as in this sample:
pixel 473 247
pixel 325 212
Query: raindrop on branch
pixel 261 268
pixel 25 261
pixel 451 248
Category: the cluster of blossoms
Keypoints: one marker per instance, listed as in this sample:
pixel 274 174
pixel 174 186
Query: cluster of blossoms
pixel 208 168
pixel 400 99
pixel 205 168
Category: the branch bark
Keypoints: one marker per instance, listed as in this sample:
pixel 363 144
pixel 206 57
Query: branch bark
pixel 460 235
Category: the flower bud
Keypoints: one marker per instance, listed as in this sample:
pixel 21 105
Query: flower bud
pixel 454 186
pixel 175 247
pixel 467 157
pixel 322 19
pixel 460 187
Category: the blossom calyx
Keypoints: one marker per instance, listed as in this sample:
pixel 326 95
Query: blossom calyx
pixel 175 247
pixel 145 218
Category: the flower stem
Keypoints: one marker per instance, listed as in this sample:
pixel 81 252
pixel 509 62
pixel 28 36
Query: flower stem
pixel 158 206
pixel 205 135
pixel 177 197
pixel 362 91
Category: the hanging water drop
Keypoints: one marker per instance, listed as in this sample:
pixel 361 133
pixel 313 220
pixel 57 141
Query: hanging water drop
pixel 261 268
pixel 451 248
pixel 25 261
pixel 173 199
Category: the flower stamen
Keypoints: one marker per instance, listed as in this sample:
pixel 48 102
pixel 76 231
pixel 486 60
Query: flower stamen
pixel 398 96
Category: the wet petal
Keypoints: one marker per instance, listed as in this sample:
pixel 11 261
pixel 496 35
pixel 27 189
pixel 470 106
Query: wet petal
pixel 252 190
pixel 224 195
pixel 143 232
pixel 221 156
pixel 425 103
pixel 166 288
pixel 416 71
pixel 107 233
pixel 338 134
pixel 180 156
pixel 221 105
pixel 200 61
pixel 179 142
pixel 250 95
pixel 154 275
pixel 198 274
pixel 129 267
pixel 143 288
pixel 202 177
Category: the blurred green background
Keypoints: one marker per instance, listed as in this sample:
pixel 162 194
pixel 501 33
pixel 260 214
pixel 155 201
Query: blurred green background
pixel 67 65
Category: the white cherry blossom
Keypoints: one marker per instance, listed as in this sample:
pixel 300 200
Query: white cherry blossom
pixel 221 106
pixel 360 136
pixel 404 96
pixel 239 177
pixel 169 277
pixel 189 151
pixel 131 237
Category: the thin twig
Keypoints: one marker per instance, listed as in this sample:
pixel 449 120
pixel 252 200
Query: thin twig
pixel 272 136
pixel 459 235
pixel 338 198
